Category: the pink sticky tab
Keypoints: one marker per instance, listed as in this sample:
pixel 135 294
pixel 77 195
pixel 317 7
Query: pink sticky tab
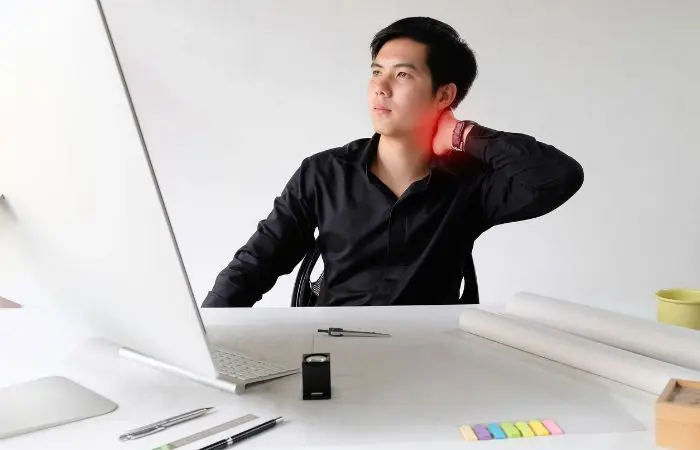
pixel 552 426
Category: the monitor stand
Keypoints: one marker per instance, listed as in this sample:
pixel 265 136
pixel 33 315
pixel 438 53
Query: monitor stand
pixel 217 383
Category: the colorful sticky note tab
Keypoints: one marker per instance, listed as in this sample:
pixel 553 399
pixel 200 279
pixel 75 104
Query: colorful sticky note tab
pixel 496 431
pixel 482 432
pixel 510 430
pixel 538 428
pixel 467 433
pixel 524 429
pixel 552 426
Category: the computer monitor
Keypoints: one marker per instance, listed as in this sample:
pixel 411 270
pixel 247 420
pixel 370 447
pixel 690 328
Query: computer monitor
pixel 93 226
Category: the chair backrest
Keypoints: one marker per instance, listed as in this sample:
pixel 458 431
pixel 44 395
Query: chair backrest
pixel 306 292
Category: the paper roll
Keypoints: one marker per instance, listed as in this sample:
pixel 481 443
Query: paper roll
pixel 628 368
pixel 673 344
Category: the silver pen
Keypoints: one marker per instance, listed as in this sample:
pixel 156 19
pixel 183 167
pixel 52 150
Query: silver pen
pixel 163 424
pixel 339 332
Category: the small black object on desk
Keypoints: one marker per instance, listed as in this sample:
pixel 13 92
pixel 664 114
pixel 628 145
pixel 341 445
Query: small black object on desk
pixel 316 376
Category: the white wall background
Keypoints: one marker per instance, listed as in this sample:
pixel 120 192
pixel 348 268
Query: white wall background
pixel 233 95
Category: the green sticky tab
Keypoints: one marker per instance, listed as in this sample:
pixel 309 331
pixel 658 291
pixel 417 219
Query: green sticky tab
pixel 524 429
pixel 510 430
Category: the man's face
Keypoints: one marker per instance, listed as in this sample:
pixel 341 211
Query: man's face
pixel 400 95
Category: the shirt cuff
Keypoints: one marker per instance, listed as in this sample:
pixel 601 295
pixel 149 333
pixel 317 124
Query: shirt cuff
pixel 478 140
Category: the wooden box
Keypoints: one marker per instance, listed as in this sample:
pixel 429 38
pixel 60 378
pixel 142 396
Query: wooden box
pixel 678 415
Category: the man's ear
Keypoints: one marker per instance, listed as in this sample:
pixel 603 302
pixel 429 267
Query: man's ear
pixel 446 95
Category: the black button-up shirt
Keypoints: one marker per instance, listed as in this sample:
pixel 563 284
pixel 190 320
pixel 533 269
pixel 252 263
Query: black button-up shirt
pixel 378 249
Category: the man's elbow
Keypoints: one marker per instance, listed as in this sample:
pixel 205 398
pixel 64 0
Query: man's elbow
pixel 566 180
pixel 571 179
pixel 214 300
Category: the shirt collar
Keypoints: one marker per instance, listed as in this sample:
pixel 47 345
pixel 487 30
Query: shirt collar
pixel 368 152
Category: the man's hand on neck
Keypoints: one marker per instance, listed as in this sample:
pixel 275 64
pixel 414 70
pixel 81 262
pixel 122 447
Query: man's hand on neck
pixel 442 142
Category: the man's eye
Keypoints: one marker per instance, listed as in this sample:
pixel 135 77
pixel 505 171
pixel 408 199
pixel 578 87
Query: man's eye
pixel 403 75
pixel 375 73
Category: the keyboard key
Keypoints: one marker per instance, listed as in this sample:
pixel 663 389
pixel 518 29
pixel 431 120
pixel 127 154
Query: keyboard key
pixel 244 368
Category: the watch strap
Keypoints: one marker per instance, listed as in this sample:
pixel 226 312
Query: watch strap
pixel 458 134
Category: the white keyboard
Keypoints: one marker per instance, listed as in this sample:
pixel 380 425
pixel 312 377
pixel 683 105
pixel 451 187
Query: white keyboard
pixel 245 368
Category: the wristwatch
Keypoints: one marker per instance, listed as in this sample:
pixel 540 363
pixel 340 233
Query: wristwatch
pixel 458 134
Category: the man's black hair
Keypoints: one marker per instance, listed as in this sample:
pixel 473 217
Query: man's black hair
pixel 449 58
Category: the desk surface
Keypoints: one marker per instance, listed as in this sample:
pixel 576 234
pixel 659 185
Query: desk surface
pixel 393 393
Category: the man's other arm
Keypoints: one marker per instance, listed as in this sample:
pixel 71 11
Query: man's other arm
pixel 278 245
pixel 526 178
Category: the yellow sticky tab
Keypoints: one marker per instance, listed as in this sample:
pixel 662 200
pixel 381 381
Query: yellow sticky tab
pixel 524 429
pixel 538 428
pixel 468 433
pixel 510 430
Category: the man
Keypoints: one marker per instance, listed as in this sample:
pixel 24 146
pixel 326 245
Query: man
pixel 398 213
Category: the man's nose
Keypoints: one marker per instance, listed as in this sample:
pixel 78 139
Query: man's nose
pixel 381 87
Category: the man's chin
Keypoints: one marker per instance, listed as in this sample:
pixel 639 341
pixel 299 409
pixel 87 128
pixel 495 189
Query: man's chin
pixel 385 130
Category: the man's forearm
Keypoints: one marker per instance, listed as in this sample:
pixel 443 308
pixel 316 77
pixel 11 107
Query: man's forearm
pixel 528 178
pixel 531 163
pixel 229 289
pixel 279 243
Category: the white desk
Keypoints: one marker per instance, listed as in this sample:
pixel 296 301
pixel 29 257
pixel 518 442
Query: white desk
pixel 361 371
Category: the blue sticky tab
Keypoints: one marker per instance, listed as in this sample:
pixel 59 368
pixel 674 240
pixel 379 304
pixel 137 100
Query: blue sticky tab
pixel 496 431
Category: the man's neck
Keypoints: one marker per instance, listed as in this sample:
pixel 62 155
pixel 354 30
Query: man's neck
pixel 400 162
pixel 404 159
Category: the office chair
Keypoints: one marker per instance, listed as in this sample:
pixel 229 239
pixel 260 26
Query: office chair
pixel 306 292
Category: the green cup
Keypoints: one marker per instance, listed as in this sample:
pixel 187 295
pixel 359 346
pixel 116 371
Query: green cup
pixel 679 307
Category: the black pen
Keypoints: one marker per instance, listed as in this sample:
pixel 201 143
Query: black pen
pixel 224 443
